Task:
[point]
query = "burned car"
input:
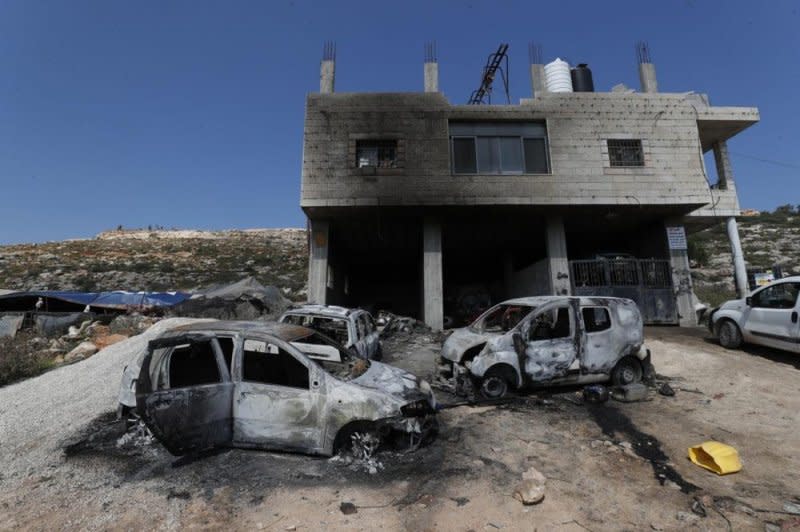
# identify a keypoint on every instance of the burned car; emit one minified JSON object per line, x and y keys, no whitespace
{"x":353,"y":328}
{"x":273,"y":386}
{"x":548,"y":340}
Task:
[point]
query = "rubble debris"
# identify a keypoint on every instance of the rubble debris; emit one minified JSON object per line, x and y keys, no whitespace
{"x":348,"y":508}
{"x":629,"y":393}
{"x":83,"y":350}
{"x":400,"y":324}
{"x":595,"y":394}
{"x":531,"y":489}
{"x":718,"y":457}
{"x":666,"y":390}
{"x":246,"y":299}
{"x":792,"y":508}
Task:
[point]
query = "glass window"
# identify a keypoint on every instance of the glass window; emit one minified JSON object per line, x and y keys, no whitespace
{"x":270,"y":364}
{"x":782,"y":296}
{"x":488,"y":156}
{"x":596,"y":319}
{"x":625,"y":152}
{"x":510,"y":155}
{"x":377,"y":153}
{"x":464,"y":156}
{"x":536,"y":156}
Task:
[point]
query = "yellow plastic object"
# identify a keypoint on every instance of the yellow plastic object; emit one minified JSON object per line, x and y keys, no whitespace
{"x":715,"y":456}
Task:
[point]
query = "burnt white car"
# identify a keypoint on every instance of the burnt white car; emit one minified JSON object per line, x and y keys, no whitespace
{"x":768,"y":316}
{"x":272,"y":386}
{"x":548,"y":340}
{"x":353,"y":328}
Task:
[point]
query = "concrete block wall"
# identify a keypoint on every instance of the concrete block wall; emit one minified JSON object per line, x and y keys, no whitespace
{"x":579,"y":124}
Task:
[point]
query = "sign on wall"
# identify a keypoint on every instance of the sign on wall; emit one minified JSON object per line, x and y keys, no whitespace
{"x":676,"y":237}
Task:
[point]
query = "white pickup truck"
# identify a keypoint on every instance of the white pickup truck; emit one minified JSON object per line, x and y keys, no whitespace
{"x":768,"y":316}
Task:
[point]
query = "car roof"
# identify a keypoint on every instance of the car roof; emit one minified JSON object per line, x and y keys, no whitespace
{"x":537,"y":301}
{"x":328,"y":311}
{"x":283,"y":331}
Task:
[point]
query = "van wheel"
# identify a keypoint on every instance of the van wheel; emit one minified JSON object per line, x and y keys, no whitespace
{"x":495,"y":383}
{"x":627,"y":371}
{"x":730,"y":337}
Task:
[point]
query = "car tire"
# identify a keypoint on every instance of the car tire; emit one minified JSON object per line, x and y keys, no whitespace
{"x":496,"y":383}
{"x":627,"y":371}
{"x":730,"y":337}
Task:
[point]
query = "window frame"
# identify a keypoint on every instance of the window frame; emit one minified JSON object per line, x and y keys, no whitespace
{"x":521,"y":137}
{"x":377,"y":144}
{"x":593,"y":307}
{"x":612,"y":163}
{"x":285,"y":346}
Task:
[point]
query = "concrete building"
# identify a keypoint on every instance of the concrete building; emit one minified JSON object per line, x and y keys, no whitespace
{"x":414,"y":201}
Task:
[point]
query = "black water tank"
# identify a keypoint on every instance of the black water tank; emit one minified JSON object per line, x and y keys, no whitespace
{"x":582,"y":79}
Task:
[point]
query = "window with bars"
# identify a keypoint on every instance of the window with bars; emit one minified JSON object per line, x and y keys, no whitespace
{"x":625,"y":152}
{"x":376,"y":153}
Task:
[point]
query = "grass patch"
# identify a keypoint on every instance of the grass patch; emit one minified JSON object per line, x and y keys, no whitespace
{"x":18,"y":361}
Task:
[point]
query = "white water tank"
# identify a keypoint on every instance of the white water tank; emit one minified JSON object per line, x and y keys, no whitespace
{"x":557,"y":76}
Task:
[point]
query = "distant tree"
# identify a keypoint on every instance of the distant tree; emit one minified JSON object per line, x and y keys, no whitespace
{"x":787,"y":209}
{"x":697,"y":251}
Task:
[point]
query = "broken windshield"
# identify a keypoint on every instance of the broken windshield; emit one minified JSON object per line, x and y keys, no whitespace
{"x":335,"y":328}
{"x":333,"y":358}
{"x":501,"y":318}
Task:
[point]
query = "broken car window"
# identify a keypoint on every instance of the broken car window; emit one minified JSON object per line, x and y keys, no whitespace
{"x":551,"y":324}
{"x":346,"y":367}
{"x":502,"y":318}
{"x":192,"y":365}
{"x":596,"y":319}
{"x":333,"y":327}
{"x":269,"y":364}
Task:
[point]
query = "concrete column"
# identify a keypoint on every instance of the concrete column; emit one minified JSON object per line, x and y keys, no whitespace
{"x":557,"y":256}
{"x":537,"y":80}
{"x":682,"y":285}
{"x":723,"y":164}
{"x":431,"y":77}
{"x":327,"y":76}
{"x":318,"y":262}
{"x":647,"y":77}
{"x":739,"y":269}
{"x":432,"y":282}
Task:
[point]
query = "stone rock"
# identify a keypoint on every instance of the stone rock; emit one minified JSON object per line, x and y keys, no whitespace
{"x":686,"y":517}
{"x":104,"y":341}
{"x":531,"y":489}
{"x":630,"y":393}
{"x":348,"y":508}
{"x":83,"y":350}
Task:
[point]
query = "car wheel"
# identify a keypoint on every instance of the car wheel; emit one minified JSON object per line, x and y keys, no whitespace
{"x":730,"y":337}
{"x":627,"y":371}
{"x":495,"y":384}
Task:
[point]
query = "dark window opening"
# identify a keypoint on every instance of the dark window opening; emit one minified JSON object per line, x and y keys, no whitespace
{"x":779,"y":296}
{"x":269,"y":364}
{"x":545,"y":328}
{"x":625,"y":152}
{"x":334,"y":328}
{"x":503,"y":318}
{"x":535,"y":156}
{"x":376,"y":153}
{"x":464,"y":156}
{"x":192,"y":365}
{"x":596,"y":319}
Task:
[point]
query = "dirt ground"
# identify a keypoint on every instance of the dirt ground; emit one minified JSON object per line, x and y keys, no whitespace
{"x":616,"y":466}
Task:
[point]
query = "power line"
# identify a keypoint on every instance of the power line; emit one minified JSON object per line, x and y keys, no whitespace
{"x":770,"y":161}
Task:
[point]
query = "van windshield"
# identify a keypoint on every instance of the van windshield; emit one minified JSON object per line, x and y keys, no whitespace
{"x":501,"y":318}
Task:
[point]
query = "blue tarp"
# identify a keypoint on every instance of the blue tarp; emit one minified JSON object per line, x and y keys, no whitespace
{"x":116,"y":299}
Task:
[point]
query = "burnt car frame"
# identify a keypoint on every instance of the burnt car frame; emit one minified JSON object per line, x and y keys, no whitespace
{"x":251,"y":385}
{"x":353,"y":328}
{"x":548,"y":340}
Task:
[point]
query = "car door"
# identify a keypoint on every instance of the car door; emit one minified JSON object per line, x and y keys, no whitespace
{"x":550,"y":344}
{"x":772,"y":319}
{"x":599,"y":353}
{"x":278,"y":397}
{"x":184,"y":393}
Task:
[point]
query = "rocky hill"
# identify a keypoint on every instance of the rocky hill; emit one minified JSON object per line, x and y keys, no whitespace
{"x":160,"y":260}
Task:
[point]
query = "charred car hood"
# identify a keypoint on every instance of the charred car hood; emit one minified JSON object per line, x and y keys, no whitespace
{"x":389,"y":379}
{"x":463,"y":339}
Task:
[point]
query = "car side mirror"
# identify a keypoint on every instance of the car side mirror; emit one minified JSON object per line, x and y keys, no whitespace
{"x":748,"y":301}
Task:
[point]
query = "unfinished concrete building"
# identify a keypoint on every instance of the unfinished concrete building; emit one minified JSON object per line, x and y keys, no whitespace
{"x":413,"y":201}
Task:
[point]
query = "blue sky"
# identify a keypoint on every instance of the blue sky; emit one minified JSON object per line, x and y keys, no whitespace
{"x":189,"y":113}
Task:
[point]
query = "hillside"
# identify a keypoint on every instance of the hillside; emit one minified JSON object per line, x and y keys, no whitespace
{"x":160,"y":260}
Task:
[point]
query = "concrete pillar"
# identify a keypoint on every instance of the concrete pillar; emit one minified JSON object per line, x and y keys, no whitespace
{"x":327,"y":76}
{"x":723,"y":164}
{"x":557,"y":256}
{"x":432,"y":282}
{"x":318,"y":262}
{"x":739,"y":269}
{"x":647,"y":77}
{"x":431,"y":76}
{"x":538,"y":84}
{"x":682,"y":277}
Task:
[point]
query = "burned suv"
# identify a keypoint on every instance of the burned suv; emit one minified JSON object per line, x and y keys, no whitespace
{"x":273,"y":386}
{"x":353,"y":328}
{"x":548,"y":340}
